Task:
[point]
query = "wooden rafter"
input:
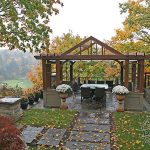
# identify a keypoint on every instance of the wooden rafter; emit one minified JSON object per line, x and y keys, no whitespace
{"x":91,"y":39}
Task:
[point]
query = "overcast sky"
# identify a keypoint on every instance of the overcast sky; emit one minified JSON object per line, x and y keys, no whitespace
{"x":98,"y":18}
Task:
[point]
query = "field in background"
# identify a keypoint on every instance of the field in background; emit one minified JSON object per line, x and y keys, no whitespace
{"x":23,"y":83}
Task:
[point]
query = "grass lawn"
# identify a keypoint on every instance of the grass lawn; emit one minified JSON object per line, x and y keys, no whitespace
{"x":130,"y":133}
{"x":39,"y":148}
{"x":24,"y":83}
{"x":48,"y":117}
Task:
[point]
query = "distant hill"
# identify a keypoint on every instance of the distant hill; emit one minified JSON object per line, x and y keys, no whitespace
{"x":15,"y":64}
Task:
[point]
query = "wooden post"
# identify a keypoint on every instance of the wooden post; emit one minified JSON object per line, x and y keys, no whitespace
{"x":48,"y":76}
{"x":61,"y":71}
{"x":121,"y":73}
{"x":138,"y":75}
{"x":134,"y":73}
{"x":58,"y":74}
{"x":141,"y":76}
{"x":126,"y":73}
{"x":44,"y":73}
{"x":71,"y":71}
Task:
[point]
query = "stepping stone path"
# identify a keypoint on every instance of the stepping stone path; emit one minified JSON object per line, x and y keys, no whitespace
{"x":52,"y":137}
{"x":90,"y":132}
{"x":30,"y":133}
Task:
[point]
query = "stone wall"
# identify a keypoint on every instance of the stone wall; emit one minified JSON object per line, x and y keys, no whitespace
{"x":13,"y":110}
{"x":134,"y":101}
{"x":147,"y":95}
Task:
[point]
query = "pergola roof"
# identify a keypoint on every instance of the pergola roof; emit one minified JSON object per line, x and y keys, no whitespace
{"x":93,"y":49}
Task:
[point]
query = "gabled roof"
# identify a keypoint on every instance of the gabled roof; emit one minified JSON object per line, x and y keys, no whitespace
{"x":89,"y":44}
{"x":93,"y":49}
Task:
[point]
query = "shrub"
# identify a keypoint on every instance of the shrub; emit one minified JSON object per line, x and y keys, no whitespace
{"x":9,"y":136}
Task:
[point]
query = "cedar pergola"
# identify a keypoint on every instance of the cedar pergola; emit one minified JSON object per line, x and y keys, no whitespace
{"x":93,"y":49}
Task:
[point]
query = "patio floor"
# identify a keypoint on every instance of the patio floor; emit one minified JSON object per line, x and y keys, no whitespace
{"x":86,"y":105}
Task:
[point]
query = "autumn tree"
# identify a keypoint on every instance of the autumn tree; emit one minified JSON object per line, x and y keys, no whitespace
{"x":135,"y":34}
{"x":58,"y":45}
{"x":25,"y":24}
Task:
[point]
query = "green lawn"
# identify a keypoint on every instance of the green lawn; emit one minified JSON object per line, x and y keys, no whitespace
{"x":48,"y":117}
{"x":24,"y":83}
{"x":39,"y":148}
{"x":132,"y":130}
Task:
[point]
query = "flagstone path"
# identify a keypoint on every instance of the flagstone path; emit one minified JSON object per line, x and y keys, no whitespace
{"x":90,"y":131}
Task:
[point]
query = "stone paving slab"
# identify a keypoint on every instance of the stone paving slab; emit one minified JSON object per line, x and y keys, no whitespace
{"x":87,"y":146}
{"x":92,"y":127}
{"x":89,"y":136}
{"x":94,"y":120}
{"x":93,"y":115}
{"x":103,"y":115}
{"x":52,"y":137}
{"x":30,"y":133}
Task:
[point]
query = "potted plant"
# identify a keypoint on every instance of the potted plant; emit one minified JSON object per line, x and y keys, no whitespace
{"x":24,"y":102}
{"x":120,"y":92}
{"x":64,"y":91}
{"x":30,"y":96}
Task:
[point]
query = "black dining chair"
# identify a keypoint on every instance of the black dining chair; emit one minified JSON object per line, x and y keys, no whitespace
{"x":110,"y":85}
{"x":91,"y":82}
{"x":100,"y":95}
{"x":85,"y":93}
{"x":100,"y":82}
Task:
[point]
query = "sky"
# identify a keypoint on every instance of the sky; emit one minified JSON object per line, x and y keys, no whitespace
{"x":98,"y":18}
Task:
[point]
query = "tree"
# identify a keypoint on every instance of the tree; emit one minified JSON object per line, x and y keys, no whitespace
{"x":138,"y":18}
{"x":24,"y":25}
{"x":58,"y":45}
{"x":135,"y":34}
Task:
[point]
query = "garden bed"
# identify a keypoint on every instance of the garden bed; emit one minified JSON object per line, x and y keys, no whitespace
{"x":131,"y":130}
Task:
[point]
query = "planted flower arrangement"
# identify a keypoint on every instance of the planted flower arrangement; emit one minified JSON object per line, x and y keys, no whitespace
{"x":64,"y":91}
{"x":120,"y":92}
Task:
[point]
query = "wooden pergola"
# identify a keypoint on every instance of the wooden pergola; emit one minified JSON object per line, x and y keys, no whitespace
{"x":93,"y":49}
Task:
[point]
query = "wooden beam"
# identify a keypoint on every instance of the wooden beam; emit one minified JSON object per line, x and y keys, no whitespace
{"x":93,"y":57}
{"x":76,"y":46}
{"x":86,"y":48}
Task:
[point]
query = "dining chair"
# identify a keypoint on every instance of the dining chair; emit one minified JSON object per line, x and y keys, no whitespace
{"x":110,"y":85}
{"x":85,"y":93}
{"x":100,"y":94}
{"x":91,"y":82}
{"x":100,"y":82}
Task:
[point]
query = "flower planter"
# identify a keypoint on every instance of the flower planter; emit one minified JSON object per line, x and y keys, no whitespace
{"x":64,"y":90}
{"x":120,"y":92}
{"x":36,"y":97}
{"x":120,"y":99}
{"x":24,"y":105}
{"x":63,"y":97}
{"x":31,"y":100}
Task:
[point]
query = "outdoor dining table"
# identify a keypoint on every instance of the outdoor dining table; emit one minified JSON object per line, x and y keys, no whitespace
{"x":93,"y":86}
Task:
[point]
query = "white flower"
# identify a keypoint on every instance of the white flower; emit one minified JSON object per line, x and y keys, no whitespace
{"x":64,"y":88}
{"x":120,"y":90}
